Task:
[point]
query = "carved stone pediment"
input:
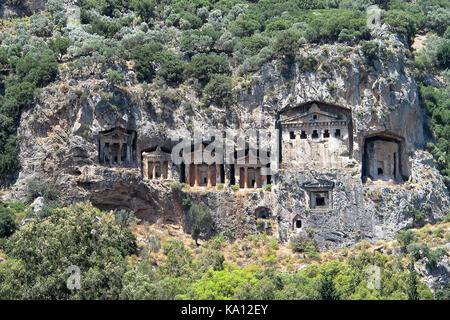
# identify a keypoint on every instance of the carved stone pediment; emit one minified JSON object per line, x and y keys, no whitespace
{"x":319,"y":184}
{"x":156,"y":156}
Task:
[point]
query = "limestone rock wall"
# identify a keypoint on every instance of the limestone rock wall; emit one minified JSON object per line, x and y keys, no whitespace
{"x":59,"y":140}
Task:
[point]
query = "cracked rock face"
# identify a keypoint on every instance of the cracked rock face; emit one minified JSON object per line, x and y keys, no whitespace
{"x":59,"y":141}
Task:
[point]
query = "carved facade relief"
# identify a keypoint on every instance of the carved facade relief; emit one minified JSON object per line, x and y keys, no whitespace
{"x":319,"y":194}
{"x":156,"y":165}
{"x":117,"y":147}
{"x":316,"y":135}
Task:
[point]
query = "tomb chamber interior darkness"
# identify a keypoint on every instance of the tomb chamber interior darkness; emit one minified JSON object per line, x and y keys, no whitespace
{"x":384,"y":158}
{"x":315,"y":135}
{"x":117,"y":147}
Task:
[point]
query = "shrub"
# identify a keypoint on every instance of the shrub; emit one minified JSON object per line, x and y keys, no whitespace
{"x":219,"y":87}
{"x":244,"y":27}
{"x":370,"y":50}
{"x":40,"y":26}
{"x":59,"y":46}
{"x":115,"y":78}
{"x":302,"y":243}
{"x":144,"y":56}
{"x":443,"y":55}
{"x":286,"y":43}
{"x":7,"y":223}
{"x":203,"y":66}
{"x":405,"y":237}
{"x":144,"y":8}
{"x":171,"y":69}
{"x":58,"y":12}
{"x":308,"y":63}
{"x":47,"y":190}
{"x":38,"y":70}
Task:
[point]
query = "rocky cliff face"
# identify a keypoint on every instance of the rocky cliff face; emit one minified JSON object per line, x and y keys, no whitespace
{"x":58,"y":140}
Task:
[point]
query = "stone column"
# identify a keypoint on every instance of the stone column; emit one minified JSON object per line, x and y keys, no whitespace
{"x":128,"y":153}
{"x":145,"y":168}
{"x":262,"y":179}
{"x":245,"y":177}
{"x":256,"y":178}
{"x":187,"y":173}
{"x":169,"y":170}
{"x":154,"y":171}
{"x":101,"y":153}
{"x":237,"y":175}
{"x":218,"y":174}
{"x":196,"y":184}
{"x":209,"y":177}
{"x":119,"y":156}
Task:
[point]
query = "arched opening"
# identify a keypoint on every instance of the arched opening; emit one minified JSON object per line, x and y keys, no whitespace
{"x":262,"y":213}
{"x":296,"y":223}
{"x":383,"y":158}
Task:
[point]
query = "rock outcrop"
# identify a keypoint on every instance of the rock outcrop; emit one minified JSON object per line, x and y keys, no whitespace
{"x":59,"y":140}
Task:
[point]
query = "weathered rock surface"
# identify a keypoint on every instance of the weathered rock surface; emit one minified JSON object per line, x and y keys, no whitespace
{"x":58,"y":140}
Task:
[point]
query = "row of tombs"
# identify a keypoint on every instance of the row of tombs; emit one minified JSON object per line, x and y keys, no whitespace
{"x":312,"y":136}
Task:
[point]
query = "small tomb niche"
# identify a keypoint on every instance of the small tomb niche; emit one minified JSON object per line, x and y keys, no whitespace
{"x":383,"y":159}
{"x":320,"y":194}
{"x":263,"y":224}
{"x":262,"y":213}
{"x":117,"y":147}
{"x":297,"y":223}
{"x":156,"y":163}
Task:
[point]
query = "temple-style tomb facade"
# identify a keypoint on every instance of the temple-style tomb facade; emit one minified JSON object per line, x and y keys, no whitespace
{"x":316,"y":135}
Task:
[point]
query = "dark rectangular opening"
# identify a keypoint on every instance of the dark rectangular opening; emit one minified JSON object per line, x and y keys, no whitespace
{"x":315,"y":135}
{"x":292,"y":135}
{"x":298,"y":224}
{"x":320,"y":201}
{"x":337,"y":133}
{"x":303,"y":135}
{"x":326,"y":134}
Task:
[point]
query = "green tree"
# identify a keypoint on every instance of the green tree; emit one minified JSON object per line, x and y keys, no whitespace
{"x":40,"y":26}
{"x":59,"y":46}
{"x":219,"y":87}
{"x":79,"y":235}
{"x":202,"y":220}
{"x":7,"y":222}
{"x":443,"y":55}
{"x":203,"y":66}
{"x":286,"y":43}
{"x":144,"y":56}
{"x":411,"y":283}
{"x":327,"y":289}
{"x":115,"y":78}
{"x":144,"y":8}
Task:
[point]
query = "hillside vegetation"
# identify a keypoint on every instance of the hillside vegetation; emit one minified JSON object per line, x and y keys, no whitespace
{"x":164,"y":264}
